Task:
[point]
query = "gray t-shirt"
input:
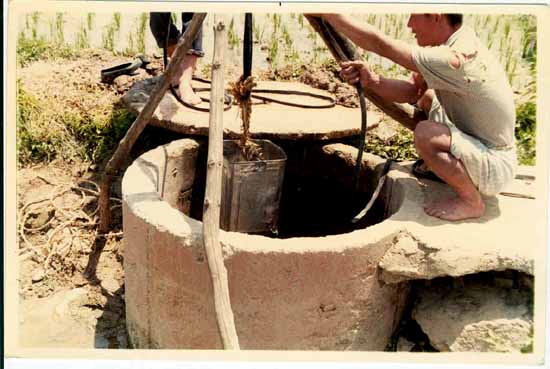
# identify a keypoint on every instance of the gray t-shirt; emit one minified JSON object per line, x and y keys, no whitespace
{"x":476,"y":97}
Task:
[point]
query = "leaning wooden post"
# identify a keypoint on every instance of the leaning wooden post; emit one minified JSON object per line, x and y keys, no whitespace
{"x":212,"y":198}
{"x":123,"y":149}
{"x":404,"y":114}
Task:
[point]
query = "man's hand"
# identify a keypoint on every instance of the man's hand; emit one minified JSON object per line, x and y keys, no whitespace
{"x":357,"y":71}
{"x":420,"y":84}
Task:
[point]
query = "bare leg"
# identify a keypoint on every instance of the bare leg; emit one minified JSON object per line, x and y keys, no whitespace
{"x":433,"y":142}
{"x":184,"y":76}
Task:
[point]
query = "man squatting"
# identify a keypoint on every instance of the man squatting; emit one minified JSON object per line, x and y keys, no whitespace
{"x":468,"y":139}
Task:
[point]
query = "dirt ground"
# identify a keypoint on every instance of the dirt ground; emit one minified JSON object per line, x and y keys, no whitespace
{"x":67,"y":274}
{"x":71,"y":281}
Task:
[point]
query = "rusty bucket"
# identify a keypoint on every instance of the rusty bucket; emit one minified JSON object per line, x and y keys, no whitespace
{"x":251,"y":190}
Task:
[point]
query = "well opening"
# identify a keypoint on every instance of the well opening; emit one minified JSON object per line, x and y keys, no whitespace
{"x":317,"y":197}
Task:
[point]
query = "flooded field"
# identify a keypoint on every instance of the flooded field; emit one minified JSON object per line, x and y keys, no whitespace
{"x":279,"y":39}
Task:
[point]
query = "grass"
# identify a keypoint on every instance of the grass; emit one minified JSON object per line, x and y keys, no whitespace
{"x":398,"y":147}
{"x":30,"y":50}
{"x":81,"y":122}
{"x":47,"y":131}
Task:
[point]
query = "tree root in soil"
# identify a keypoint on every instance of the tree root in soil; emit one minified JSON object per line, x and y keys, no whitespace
{"x":64,"y":225}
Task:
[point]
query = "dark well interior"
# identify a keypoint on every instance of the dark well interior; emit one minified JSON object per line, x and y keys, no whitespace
{"x":317,"y":196}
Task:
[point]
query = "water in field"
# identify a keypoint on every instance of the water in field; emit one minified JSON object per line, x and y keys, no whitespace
{"x":279,"y":39}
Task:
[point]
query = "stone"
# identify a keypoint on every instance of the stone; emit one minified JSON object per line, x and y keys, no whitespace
{"x":384,"y":131}
{"x":49,"y":323}
{"x":110,"y":284}
{"x":428,"y":247}
{"x":39,"y":219}
{"x":269,"y":121}
{"x":38,"y":275}
{"x":404,"y":345}
{"x":477,"y":317}
{"x":73,"y":296}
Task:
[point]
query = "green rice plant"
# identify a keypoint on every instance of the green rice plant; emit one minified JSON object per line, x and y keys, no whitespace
{"x":108,"y":38}
{"x":82,"y":39}
{"x":287,"y":38}
{"x":507,"y":27}
{"x":301,"y":20}
{"x":141,"y":32}
{"x":486,"y":21}
{"x":90,"y":20}
{"x":292,"y":56}
{"x":371,"y":19}
{"x":116,"y":21}
{"x":109,"y":33}
{"x":130,"y":48}
{"x":276,"y":22}
{"x":528,"y":24}
{"x":59,"y":23}
{"x":34,"y":30}
{"x":256,"y":32}
{"x":273,"y":53}
{"x":232,"y":38}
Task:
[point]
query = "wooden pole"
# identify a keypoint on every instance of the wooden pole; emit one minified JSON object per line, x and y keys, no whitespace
{"x":404,"y":114}
{"x":212,"y":198}
{"x":123,"y":150}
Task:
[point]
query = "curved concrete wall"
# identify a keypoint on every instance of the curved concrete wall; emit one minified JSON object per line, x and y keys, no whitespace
{"x":296,"y":294}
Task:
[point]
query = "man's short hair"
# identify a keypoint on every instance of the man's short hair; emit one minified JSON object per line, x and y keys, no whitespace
{"x":454,"y":19}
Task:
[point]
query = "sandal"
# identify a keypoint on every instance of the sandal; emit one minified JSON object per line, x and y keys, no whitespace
{"x":421,"y":170}
{"x":108,"y":75}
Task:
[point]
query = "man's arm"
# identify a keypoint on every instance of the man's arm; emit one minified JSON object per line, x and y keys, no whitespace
{"x":371,"y":39}
{"x":395,"y":90}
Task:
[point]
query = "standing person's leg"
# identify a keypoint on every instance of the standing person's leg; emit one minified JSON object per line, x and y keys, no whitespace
{"x":167,"y":34}
{"x":189,"y":64}
{"x":433,"y":142}
{"x":160,"y":26}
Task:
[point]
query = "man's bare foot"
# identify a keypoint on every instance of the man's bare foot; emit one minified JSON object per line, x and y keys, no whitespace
{"x":455,"y":208}
{"x":188,"y":95}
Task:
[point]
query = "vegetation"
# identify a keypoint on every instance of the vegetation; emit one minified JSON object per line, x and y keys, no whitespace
{"x":46,"y":132}
{"x":33,"y":49}
{"x":398,"y":147}
{"x":526,"y":111}
{"x":287,"y":41}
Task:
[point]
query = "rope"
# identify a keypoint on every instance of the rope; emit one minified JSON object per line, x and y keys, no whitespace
{"x":247,"y":68}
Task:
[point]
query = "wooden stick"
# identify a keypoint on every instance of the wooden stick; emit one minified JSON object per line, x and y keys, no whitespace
{"x":212,"y":198}
{"x":123,"y":150}
{"x":404,"y":114}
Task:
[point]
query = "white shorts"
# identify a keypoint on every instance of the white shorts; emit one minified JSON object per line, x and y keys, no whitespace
{"x":490,"y":169}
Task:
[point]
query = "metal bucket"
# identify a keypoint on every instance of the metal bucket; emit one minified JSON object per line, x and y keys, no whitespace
{"x":251,"y":190}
